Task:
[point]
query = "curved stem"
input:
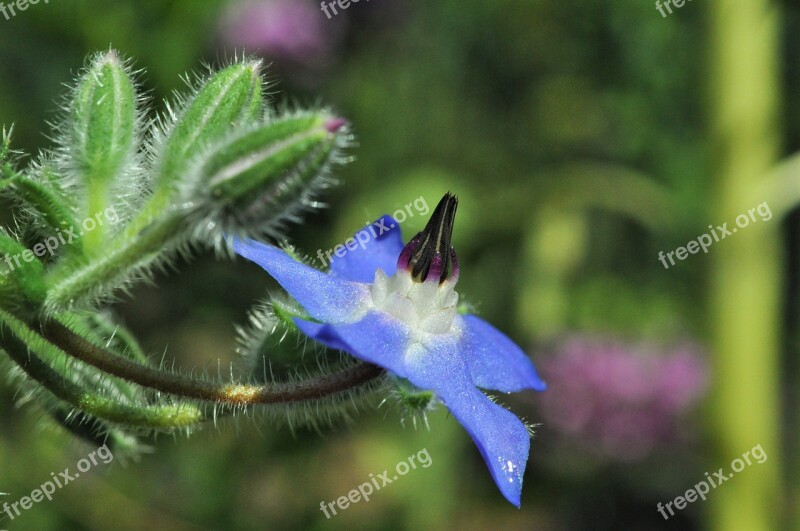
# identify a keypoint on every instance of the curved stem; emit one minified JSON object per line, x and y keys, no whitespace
{"x":617,"y":189}
{"x":230,"y":394}
{"x":156,"y":417}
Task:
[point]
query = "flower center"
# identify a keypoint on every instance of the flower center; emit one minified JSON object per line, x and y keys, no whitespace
{"x":426,"y":307}
{"x":429,"y":255}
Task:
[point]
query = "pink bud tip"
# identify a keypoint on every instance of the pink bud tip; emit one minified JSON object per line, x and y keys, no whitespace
{"x":334,"y":124}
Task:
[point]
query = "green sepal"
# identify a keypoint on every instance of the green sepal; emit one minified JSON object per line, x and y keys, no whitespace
{"x":115,"y":337}
{"x":47,"y":204}
{"x":23,"y":345}
{"x":87,"y":326}
{"x":94,"y":431}
{"x":5,"y":147}
{"x":103,"y":122}
{"x":230,"y":99}
{"x":256,"y":161}
{"x":273,"y":345}
{"x":23,"y":281}
{"x":412,"y":398}
{"x":286,"y":312}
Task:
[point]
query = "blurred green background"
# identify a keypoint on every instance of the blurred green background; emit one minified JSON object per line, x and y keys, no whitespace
{"x":582,"y":137}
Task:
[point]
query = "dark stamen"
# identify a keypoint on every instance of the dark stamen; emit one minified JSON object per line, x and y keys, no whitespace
{"x":430,"y":252}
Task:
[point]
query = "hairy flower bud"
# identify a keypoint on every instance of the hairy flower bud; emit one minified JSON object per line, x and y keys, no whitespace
{"x":257,"y":178}
{"x":102,"y":139}
{"x":227,"y":100}
{"x":103,"y":114}
{"x":230,"y":98}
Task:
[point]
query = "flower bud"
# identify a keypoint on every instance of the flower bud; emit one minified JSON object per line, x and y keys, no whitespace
{"x":256,"y":177}
{"x":230,"y":98}
{"x":103,"y":116}
{"x":102,"y":140}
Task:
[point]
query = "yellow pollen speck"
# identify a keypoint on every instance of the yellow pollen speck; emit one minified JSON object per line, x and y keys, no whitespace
{"x":242,"y":394}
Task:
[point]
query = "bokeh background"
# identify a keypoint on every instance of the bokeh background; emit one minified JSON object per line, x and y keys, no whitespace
{"x":582,"y":137}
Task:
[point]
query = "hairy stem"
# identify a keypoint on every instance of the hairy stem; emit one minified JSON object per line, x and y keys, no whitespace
{"x":229,"y":394}
{"x":68,"y":285}
{"x":154,"y":417}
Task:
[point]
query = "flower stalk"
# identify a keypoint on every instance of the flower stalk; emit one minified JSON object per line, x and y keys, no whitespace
{"x":232,"y":394}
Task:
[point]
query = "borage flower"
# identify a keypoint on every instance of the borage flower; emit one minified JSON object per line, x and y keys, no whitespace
{"x":396,"y":307}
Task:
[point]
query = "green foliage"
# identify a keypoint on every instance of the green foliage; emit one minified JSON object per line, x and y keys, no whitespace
{"x":498,"y":100}
{"x":123,"y":194}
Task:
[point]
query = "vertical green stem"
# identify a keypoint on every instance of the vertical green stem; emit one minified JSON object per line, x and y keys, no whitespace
{"x":745,"y":276}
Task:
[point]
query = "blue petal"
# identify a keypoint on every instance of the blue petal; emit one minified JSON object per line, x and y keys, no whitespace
{"x":500,"y":436}
{"x":324,"y":297}
{"x":438,"y":365}
{"x":377,"y":338}
{"x":496,"y":362}
{"x":377,"y":246}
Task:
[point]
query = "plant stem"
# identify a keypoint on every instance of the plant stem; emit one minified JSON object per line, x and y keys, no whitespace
{"x":229,"y":394}
{"x":154,"y":417}
{"x":69,"y":285}
{"x":745,"y":285}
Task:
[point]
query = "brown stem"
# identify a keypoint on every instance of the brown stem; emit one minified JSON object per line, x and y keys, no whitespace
{"x":232,"y":394}
{"x":156,"y":417}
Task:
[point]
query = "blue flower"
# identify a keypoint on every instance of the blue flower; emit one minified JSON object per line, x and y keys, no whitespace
{"x":396,"y":307}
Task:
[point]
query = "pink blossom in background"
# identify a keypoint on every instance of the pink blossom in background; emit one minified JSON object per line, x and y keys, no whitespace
{"x":622,"y":400}
{"x":284,"y":31}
